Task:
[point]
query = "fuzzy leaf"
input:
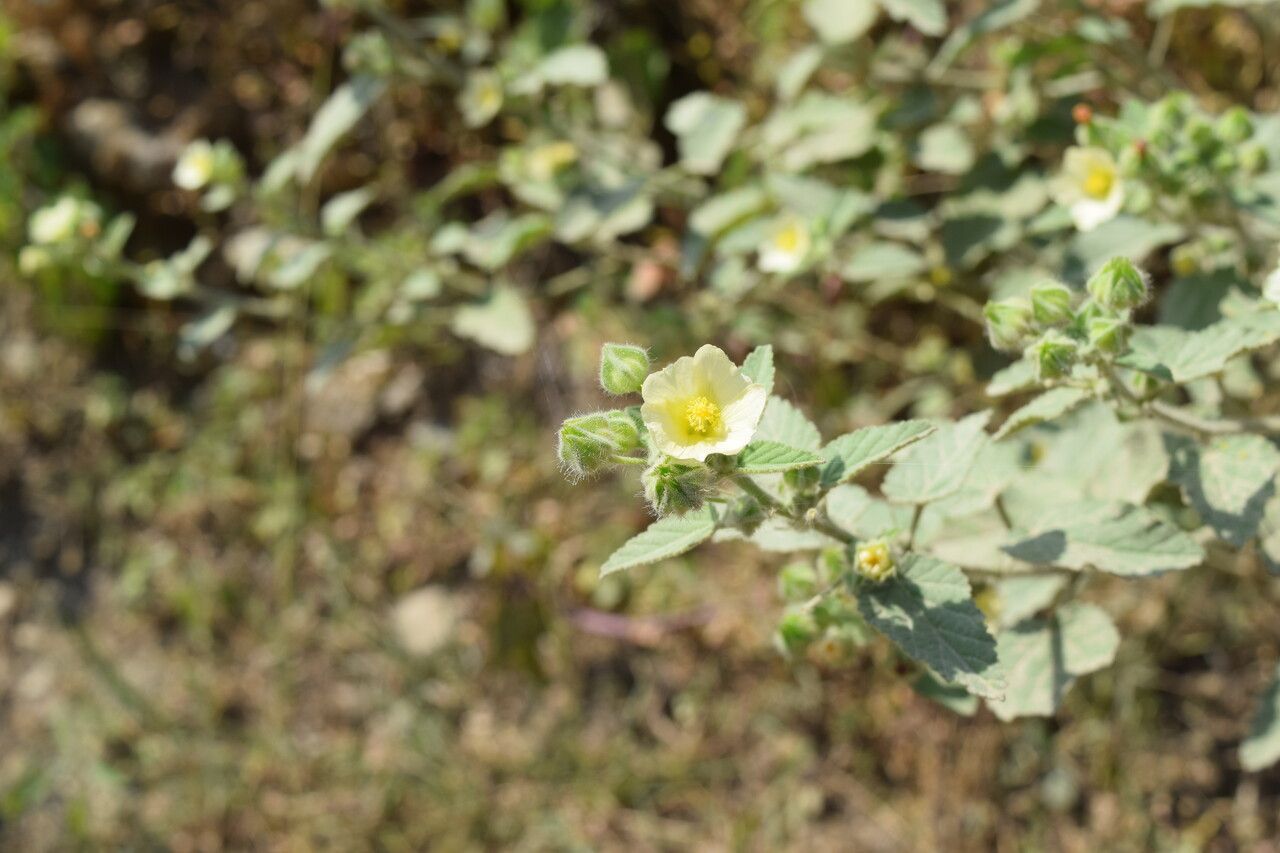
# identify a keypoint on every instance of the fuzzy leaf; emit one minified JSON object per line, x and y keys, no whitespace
{"x":1042,"y":658}
{"x":853,"y":452}
{"x":1180,"y":356}
{"x":1134,"y":543}
{"x":339,"y":114}
{"x":503,"y":323}
{"x":927,"y":609}
{"x":758,"y":366}
{"x":1228,"y":481}
{"x":771,"y":457}
{"x":706,"y":127}
{"x":785,"y":424}
{"x":937,"y":466}
{"x":667,"y":537}
{"x":1046,"y":407}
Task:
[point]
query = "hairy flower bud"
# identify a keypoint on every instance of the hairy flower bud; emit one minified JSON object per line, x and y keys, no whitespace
{"x":1235,"y":126}
{"x":797,"y":581}
{"x":874,"y":561}
{"x":796,"y":631}
{"x":676,"y":486}
{"x":588,"y":443}
{"x":1118,"y":286}
{"x":1051,"y":303}
{"x":1053,"y":356}
{"x":1108,"y":334}
{"x":1008,"y":323}
{"x":623,"y":368}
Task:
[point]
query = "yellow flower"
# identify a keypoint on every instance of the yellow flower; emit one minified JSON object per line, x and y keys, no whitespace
{"x":1089,"y":186}
{"x":786,"y":247}
{"x":195,"y":167}
{"x":874,"y":561}
{"x":701,"y":404}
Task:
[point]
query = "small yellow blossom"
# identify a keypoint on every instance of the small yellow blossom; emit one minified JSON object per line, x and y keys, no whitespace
{"x":1089,"y":186}
{"x":701,"y":404}
{"x":874,"y":561}
{"x":194,"y":169}
{"x":787,"y":247}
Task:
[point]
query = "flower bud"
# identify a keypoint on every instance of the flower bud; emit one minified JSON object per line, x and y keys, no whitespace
{"x":796,"y":631}
{"x":1108,"y":334}
{"x":1235,"y":126}
{"x":1008,"y":323}
{"x":623,"y":368}
{"x":802,"y":479}
{"x":588,"y":442}
{"x":797,"y":581}
{"x":874,"y":561}
{"x":1119,"y":285}
{"x":1253,"y":158}
{"x":745,"y":514}
{"x":673,"y":486}
{"x":1082,"y":113}
{"x":1185,"y":260}
{"x":1051,"y":303}
{"x":1053,"y":356}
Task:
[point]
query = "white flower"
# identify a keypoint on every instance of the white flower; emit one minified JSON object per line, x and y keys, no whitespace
{"x":701,"y":404}
{"x":481,"y":98}
{"x":786,"y":247}
{"x":1089,"y":186}
{"x":195,"y":167}
{"x":55,"y":223}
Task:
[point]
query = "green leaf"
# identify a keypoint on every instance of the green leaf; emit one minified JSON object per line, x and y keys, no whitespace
{"x":883,"y":260}
{"x":1262,"y":747}
{"x":758,"y":366}
{"x":855,"y":510}
{"x":839,"y":21}
{"x":953,"y":698}
{"x":818,"y":128}
{"x":1181,"y":356}
{"x":785,"y":424}
{"x":1020,"y":597}
{"x":995,"y":17}
{"x":706,"y":127}
{"x":1228,"y":481}
{"x":938,"y":465}
{"x":1134,"y":543}
{"x":340,"y":211}
{"x":927,"y":610}
{"x":945,"y":148}
{"x":575,"y":65}
{"x":667,"y":537}
{"x":499,"y":237}
{"x":1125,"y":236}
{"x":770,"y":457}
{"x":1269,"y":534}
{"x":1018,"y":376}
{"x":851,"y":453}
{"x":1042,"y":658}
{"x":503,"y":323}
{"x":339,"y":114}
{"x":927,"y":16}
{"x":1046,"y":407}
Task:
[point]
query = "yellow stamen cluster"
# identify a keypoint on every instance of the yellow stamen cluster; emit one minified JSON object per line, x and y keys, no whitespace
{"x":874,"y":561}
{"x":1098,"y":182}
{"x":702,"y":416}
{"x":788,"y":239}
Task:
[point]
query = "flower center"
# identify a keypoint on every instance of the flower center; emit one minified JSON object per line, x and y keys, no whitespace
{"x":702,"y":416}
{"x":1097,"y":183}
{"x":788,"y":240}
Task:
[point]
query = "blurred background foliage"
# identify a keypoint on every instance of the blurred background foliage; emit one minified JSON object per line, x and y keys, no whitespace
{"x":285,"y":560}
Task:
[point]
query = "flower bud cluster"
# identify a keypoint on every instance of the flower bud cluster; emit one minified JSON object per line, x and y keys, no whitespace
{"x":1056,"y":327}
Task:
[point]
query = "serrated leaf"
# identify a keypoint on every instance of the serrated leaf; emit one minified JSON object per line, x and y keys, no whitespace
{"x":785,"y":424}
{"x":1052,"y":404}
{"x":1135,"y":543}
{"x":883,"y":260}
{"x":927,"y":610}
{"x":1181,"y":356}
{"x":771,"y":457}
{"x":1228,"y":481}
{"x":851,"y":453}
{"x":950,"y":696}
{"x":339,"y":114}
{"x":1018,"y":376}
{"x":1262,"y":747}
{"x":665,"y":538}
{"x":945,"y":148}
{"x":1020,"y":597}
{"x":758,"y":366}
{"x":937,"y":466}
{"x":855,"y":510}
{"x":1042,"y":658}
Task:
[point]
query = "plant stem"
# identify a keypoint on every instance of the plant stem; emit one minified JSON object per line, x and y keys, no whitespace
{"x":915,"y":523}
{"x":1187,"y":420}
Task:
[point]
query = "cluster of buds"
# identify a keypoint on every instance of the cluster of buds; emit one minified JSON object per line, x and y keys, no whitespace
{"x":1056,"y":328}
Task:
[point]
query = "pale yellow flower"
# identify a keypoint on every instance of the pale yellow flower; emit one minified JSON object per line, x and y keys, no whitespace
{"x":481,"y":98}
{"x":194,"y":169}
{"x":786,"y":247}
{"x":1089,"y":186}
{"x":701,"y":404}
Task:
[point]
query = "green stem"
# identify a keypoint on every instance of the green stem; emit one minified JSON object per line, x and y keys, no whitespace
{"x":1186,"y":420}
{"x":915,"y":523}
{"x":748,"y":485}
